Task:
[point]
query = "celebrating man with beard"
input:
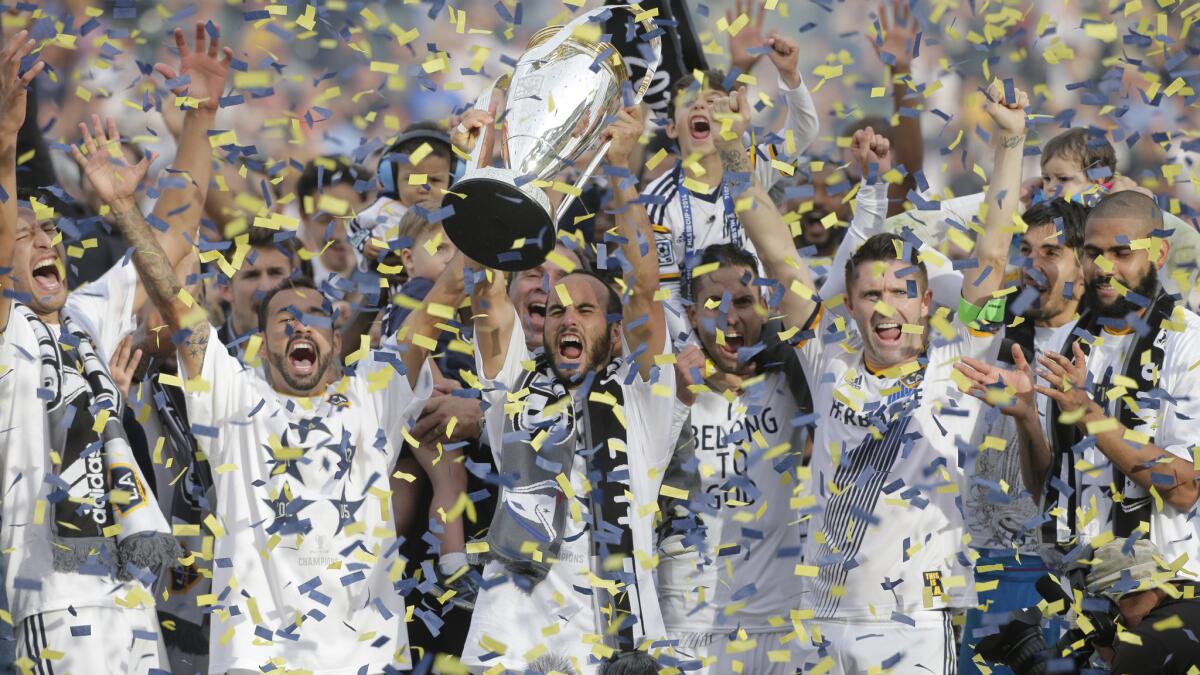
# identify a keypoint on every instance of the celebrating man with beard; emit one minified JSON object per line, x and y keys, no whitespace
{"x":306,"y":558}
{"x":581,"y":439}
{"x":1125,"y":393}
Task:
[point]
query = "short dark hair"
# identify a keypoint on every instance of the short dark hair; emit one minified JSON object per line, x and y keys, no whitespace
{"x":292,"y":284}
{"x":724,"y":255}
{"x":1068,"y":217}
{"x":713,"y":79}
{"x":1128,"y":204}
{"x":614,"y":298}
{"x":262,"y":238}
{"x":883,"y":247}
{"x":327,"y":171}
{"x":1087,"y":145}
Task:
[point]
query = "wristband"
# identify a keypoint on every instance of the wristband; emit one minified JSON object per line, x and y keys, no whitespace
{"x":991,"y":312}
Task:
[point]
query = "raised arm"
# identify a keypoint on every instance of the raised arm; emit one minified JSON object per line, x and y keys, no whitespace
{"x":419,"y":330}
{"x":494,"y":315}
{"x":643,"y":320}
{"x":872,"y":151}
{"x":14,"y":88}
{"x":895,"y":47}
{"x":197,"y":85}
{"x":115,"y":182}
{"x":771,"y":236}
{"x":982,"y":280}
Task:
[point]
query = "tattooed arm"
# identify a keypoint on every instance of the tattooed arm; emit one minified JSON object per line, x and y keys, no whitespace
{"x":181,"y":313}
{"x":771,"y":236}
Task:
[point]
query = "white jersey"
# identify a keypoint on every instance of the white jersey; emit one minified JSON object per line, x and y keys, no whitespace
{"x":707,"y":207}
{"x":749,"y":452}
{"x":887,"y":528}
{"x":104,"y":310}
{"x":305,"y":567}
{"x":560,"y":615}
{"x":1174,"y":427}
{"x":1001,"y":513}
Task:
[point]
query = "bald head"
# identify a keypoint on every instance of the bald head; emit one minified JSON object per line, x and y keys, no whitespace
{"x":1135,"y":208}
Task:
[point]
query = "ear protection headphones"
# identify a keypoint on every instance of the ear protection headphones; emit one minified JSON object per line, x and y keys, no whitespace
{"x":388,"y":163}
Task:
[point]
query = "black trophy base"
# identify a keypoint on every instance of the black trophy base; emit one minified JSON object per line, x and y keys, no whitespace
{"x":490,"y":217}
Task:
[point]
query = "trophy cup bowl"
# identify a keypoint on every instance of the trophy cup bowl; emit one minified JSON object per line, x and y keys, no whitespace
{"x":557,"y":101}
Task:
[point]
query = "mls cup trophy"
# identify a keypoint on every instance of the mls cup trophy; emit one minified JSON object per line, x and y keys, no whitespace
{"x":557,"y":101}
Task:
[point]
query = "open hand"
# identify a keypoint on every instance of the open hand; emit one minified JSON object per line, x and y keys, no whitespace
{"x":1068,"y":381}
{"x":14,"y":85}
{"x":871,"y":149}
{"x":898,"y":34}
{"x":124,"y":365}
{"x":203,"y":73}
{"x":1011,"y":390}
{"x":113,"y":179}
{"x":749,"y":37}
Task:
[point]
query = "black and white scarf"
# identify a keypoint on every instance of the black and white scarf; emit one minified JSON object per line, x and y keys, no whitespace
{"x":1066,"y":439}
{"x":540,"y":444}
{"x":94,"y":459}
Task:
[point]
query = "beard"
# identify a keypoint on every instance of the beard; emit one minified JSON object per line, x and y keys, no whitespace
{"x":297,"y":382}
{"x":1147,"y":287}
{"x":597,"y":354}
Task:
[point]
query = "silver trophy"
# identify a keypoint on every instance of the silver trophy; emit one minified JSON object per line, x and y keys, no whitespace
{"x":556,"y":103}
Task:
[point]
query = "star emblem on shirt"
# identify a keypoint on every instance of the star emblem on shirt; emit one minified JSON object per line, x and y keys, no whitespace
{"x":285,"y":510}
{"x":347,"y":509}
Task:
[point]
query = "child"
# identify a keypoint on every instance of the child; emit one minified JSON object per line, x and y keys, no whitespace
{"x":688,"y":205}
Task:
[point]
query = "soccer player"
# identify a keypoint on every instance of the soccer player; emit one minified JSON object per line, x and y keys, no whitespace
{"x":744,"y":420}
{"x":306,"y":554}
{"x":883,"y":554}
{"x":1123,"y":386}
{"x":690,"y":206}
{"x":597,"y":424}
{"x":82,"y":559}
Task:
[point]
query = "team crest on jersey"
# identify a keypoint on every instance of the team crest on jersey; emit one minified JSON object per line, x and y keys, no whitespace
{"x":339,"y":400}
{"x":913,"y":380}
{"x":666,"y":250}
{"x":123,"y":477}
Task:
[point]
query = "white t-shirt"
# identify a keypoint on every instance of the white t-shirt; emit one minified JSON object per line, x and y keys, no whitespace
{"x":560,"y":611}
{"x":887,"y":522}
{"x":1175,"y":533}
{"x":749,"y":451}
{"x":1001,"y":513}
{"x":104,"y":310}
{"x":333,"y":462}
{"x":708,"y":210}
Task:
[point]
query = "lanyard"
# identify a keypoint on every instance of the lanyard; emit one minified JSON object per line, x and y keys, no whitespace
{"x":733,"y":226}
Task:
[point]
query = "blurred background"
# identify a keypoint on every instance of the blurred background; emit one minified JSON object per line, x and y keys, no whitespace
{"x":338,"y":76}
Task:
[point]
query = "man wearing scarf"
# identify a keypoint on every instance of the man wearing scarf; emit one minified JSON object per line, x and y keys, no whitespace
{"x":1125,"y":396}
{"x":88,"y":542}
{"x":581,"y":440}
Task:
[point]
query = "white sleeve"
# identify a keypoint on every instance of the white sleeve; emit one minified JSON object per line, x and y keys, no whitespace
{"x":104,"y":308}
{"x":868,"y":220}
{"x":1180,"y":426}
{"x":397,"y":404}
{"x":654,"y":399}
{"x":495,"y":390}
{"x":801,"y":120}
{"x":226,"y":392}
